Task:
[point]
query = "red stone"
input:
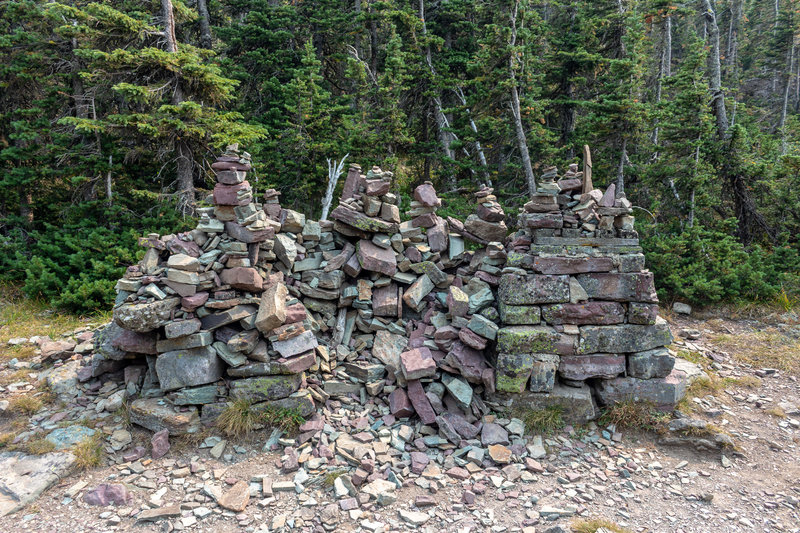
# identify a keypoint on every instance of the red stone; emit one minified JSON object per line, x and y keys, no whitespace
{"x":428,"y":220}
{"x":295,"y":313}
{"x":376,"y":259}
{"x":417,"y":363}
{"x":426,"y":195}
{"x":244,"y":278}
{"x":572,"y":265}
{"x":438,"y":237}
{"x":581,"y":367}
{"x":399,"y":404}
{"x":596,"y":313}
{"x":378,"y":187}
{"x":472,"y":339}
{"x":131,"y":341}
{"x":416,"y":394}
{"x":226,"y":194}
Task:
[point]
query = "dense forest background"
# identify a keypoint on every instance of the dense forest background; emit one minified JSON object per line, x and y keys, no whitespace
{"x":111,"y":112}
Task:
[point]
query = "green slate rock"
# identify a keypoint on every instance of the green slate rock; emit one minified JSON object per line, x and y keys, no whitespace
{"x":259,"y":389}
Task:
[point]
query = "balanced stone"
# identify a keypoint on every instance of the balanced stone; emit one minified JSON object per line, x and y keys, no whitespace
{"x":272,"y":308}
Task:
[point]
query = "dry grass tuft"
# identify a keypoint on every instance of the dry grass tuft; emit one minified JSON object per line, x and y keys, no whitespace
{"x":631,"y":414}
{"x":594,"y":524}
{"x":763,"y":349}
{"x":26,"y":404}
{"x":89,"y":453}
{"x":545,"y":420}
{"x":238,"y":419}
{"x":776,"y":411}
{"x":38,"y":446}
{"x":746,"y":382}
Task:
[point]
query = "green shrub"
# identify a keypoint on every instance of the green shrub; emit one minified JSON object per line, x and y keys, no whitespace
{"x":705,"y":266}
{"x":74,"y":265}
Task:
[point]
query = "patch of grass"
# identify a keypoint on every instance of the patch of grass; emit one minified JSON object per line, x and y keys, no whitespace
{"x":7,"y":438}
{"x":693,"y":357}
{"x":26,"y":404}
{"x":786,"y":301}
{"x":746,"y":382}
{"x":39,"y":446}
{"x":593,"y":524}
{"x":763,"y":349}
{"x":24,"y":317}
{"x":631,"y":414}
{"x":545,"y":420}
{"x":124,"y":413}
{"x":331,"y":477}
{"x":704,"y":386}
{"x":287,"y":420}
{"x":776,"y":411}
{"x":89,"y":453}
{"x":238,"y":419}
{"x":20,"y":375}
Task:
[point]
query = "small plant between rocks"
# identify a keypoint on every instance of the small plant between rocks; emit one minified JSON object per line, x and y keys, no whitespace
{"x":547,"y":420}
{"x":597,"y":525}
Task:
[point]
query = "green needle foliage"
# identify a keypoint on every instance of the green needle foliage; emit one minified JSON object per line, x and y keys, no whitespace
{"x":108,"y":123}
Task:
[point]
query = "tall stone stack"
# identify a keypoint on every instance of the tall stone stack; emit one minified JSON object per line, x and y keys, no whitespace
{"x":579,"y":309}
{"x":211,"y":311}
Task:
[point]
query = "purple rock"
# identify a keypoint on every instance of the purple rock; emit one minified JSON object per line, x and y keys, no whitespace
{"x":160,"y":443}
{"x":106,"y":493}
{"x":493,"y":434}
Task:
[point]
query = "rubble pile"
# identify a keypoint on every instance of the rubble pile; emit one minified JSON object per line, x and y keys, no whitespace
{"x":262,"y":305}
{"x":579,"y":309}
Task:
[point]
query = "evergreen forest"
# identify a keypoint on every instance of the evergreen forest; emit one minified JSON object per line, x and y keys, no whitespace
{"x":112,"y":112}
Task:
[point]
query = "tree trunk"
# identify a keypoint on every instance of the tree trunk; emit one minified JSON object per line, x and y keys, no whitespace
{"x":169,"y":26}
{"x":623,"y":157}
{"x":786,"y":90}
{"x":334,"y":171}
{"x":478,"y":148}
{"x":184,"y":160}
{"x":205,"y":26}
{"x":109,"y":192}
{"x":714,"y":71}
{"x":445,"y":137}
{"x":522,"y":142}
{"x":373,"y":43}
{"x":25,"y":203}
{"x":663,"y":72}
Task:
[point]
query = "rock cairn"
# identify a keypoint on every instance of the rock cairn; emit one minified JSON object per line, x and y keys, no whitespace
{"x":579,"y":310}
{"x":262,"y":305}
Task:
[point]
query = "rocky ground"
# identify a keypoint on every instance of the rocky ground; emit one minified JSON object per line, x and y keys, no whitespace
{"x":728,"y":463}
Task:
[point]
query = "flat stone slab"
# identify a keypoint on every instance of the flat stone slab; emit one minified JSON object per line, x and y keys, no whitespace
{"x":156,"y":414}
{"x":577,"y":403}
{"x":64,"y":438}
{"x":23,"y":478}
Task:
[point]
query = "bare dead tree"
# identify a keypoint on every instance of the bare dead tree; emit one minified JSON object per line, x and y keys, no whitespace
{"x":516,"y":112}
{"x":334,"y":171}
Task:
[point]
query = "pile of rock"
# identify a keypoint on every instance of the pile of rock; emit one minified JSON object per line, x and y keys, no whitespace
{"x":260,"y":304}
{"x":580,"y":310}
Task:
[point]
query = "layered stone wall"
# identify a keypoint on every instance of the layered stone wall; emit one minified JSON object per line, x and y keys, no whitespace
{"x":579,"y":308}
{"x":260,"y":304}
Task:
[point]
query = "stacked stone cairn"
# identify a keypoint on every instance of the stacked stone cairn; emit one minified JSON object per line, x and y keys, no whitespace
{"x":580,"y":311}
{"x":259,"y":304}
